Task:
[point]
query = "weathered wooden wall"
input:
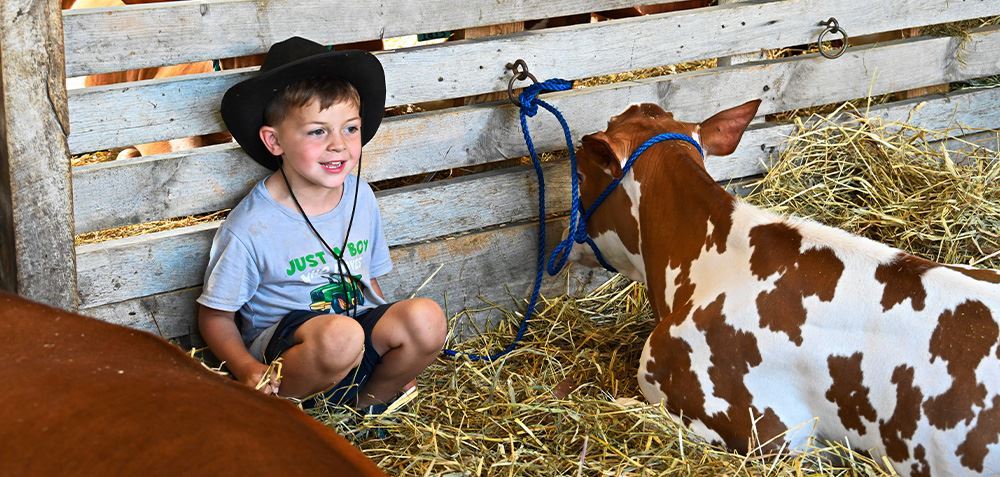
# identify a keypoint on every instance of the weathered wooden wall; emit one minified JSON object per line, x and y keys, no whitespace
{"x":36,"y":217}
{"x":476,"y":232}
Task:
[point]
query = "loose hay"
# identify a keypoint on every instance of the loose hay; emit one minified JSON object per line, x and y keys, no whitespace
{"x":147,"y":227}
{"x":566,"y":402}
{"x":891,"y":182}
{"x":644,"y":73}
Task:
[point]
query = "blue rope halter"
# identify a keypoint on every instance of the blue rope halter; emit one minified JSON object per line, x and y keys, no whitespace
{"x":529,"y":103}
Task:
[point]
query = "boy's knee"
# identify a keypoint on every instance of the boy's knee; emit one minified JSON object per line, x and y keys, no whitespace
{"x":428,"y":326}
{"x":341,"y":344}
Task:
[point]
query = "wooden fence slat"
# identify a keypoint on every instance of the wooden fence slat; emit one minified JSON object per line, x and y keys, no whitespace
{"x":133,"y":191}
{"x":122,"y":115}
{"x":129,"y":268}
{"x":115,"y":39}
{"x":481,"y":265}
{"x":216,"y":177}
{"x":742,"y":57}
{"x":36,"y":211}
{"x":176,"y":107}
{"x":102,"y":40}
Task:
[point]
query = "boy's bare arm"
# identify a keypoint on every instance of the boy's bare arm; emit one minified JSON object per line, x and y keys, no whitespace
{"x":219,"y":330}
{"x":377,"y":289}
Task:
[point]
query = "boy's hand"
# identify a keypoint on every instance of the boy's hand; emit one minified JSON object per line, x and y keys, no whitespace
{"x":220,"y":332}
{"x":259,"y":376}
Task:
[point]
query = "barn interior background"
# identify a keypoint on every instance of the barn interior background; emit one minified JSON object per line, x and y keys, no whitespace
{"x":457,"y":197}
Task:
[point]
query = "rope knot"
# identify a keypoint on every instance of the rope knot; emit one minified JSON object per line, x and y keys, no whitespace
{"x":528,"y":101}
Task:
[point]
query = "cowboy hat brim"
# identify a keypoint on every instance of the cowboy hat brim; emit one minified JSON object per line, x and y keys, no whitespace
{"x":243,"y":105}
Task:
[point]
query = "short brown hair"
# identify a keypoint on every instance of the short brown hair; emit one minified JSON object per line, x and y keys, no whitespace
{"x":327,"y":91}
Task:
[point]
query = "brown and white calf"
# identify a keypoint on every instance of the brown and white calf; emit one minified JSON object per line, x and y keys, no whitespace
{"x":788,"y":327}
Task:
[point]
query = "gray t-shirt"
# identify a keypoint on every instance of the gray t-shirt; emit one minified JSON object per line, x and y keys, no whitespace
{"x":266,"y":261}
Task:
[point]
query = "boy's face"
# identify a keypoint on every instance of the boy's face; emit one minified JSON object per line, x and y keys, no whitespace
{"x":319,"y":147}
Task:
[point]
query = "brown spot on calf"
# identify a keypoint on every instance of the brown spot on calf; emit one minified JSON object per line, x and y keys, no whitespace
{"x":733,"y":353}
{"x":976,"y":446}
{"x":963,"y":338}
{"x":902,"y":279}
{"x":775,"y":249}
{"x":983,"y":275}
{"x":903,"y":423}
{"x":849,"y":393}
{"x":815,"y":272}
{"x":671,"y":367}
{"x":920,"y":468}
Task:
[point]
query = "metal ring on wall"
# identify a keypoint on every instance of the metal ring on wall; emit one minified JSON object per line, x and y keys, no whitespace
{"x":832,"y":28}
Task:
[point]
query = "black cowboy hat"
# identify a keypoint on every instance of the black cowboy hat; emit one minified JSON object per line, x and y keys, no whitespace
{"x":291,"y":60}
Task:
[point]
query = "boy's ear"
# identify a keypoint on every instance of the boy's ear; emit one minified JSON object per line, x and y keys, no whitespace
{"x":270,"y":139}
{"x":598,"y":147}
{"x":720,"y":134}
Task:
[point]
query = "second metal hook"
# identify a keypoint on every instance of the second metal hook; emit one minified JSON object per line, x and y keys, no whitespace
{"x":832,"y":28}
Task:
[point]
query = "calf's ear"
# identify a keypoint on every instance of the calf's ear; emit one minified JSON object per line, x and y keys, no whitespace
{"x":597,"y":147}
{"x":721,"y":133}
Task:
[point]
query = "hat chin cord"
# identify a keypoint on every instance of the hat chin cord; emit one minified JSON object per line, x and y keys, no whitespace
{"x":342,"y":266}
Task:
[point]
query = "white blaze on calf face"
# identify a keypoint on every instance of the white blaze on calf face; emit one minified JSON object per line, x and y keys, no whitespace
{"x":611,"y":245}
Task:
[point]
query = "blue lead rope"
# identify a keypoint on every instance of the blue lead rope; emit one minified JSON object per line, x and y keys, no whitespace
{"x":529,"y":103}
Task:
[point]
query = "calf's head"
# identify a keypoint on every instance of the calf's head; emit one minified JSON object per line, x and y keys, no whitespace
{"x":616,"y":224}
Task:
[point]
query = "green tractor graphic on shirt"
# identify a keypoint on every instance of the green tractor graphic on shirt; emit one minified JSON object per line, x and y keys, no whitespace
{"x":337,"y":295}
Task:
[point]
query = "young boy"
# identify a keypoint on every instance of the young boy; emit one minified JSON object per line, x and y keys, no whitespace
{"x":292,"y":271}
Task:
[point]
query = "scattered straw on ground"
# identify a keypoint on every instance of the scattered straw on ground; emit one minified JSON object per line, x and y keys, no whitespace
{"x":892,"y":183}
{"x":566,"y":402}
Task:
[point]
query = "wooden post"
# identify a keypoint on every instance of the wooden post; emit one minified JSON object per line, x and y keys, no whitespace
{"x":37,"y":257}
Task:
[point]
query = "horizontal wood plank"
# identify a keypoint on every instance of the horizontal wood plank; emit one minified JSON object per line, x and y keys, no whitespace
{"x":156,"y":187}
{"x":496,"y":265}
{"x":135,"y":113}
{"x":113,"y":39}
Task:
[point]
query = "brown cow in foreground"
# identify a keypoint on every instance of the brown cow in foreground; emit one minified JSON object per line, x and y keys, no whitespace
{"x":775,"y":330}
{"x":84,"y":397}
